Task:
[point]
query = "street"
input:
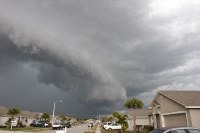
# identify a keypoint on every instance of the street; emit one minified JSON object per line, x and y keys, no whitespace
{"x":75,"y":129}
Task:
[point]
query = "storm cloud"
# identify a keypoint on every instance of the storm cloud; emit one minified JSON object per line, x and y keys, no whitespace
{"x":96,"y":54}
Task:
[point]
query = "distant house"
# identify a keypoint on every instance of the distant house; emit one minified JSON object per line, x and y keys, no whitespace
{"x":175,"y":108}
{"x":26,"y":117}
{"x":142,"y":118}
{"x":3,"y":111}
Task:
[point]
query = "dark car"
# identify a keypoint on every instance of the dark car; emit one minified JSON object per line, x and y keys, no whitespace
{"x":39,"y":124}
{"x":67,"y":125}
{"x":176,"y":130}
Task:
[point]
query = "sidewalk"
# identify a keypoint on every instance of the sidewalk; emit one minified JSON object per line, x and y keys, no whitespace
{"x":98,"y":129}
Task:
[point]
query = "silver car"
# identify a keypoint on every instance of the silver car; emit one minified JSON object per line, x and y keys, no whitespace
{"x":176,"y":130}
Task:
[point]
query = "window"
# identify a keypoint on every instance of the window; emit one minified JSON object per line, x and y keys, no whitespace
{"x":178,"y":131}
{"x":155,"y":131}
{"x":193,"y":130}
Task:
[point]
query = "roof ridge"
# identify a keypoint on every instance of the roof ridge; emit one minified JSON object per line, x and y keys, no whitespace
{"x":173,"y":99}
{"x":178,"y":90}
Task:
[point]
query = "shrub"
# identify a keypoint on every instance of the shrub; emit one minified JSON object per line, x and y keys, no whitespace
{"x":146,"y":129}
{"x":20,"y":124}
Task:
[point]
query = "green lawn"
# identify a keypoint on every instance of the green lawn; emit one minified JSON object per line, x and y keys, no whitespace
{"x":27,"y":129}
{"x":113,"y":131}
{"x":89,"y":132}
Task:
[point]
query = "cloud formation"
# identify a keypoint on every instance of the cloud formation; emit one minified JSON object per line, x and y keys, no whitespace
{"x":98,"y":53}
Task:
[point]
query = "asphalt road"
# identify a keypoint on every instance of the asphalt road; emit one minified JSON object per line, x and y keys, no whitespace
{"x":74,"y":129}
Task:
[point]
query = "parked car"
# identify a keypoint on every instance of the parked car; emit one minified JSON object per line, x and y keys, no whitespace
{"x":107,"y":123}
{"x":176,"y":130}
{"x":104,"y":123}
{"x":113,"y":127}
{"x":39,"y":124}
{"x":90,"y":124}
{"x":57,"y":126}
{"x":67,"y":125}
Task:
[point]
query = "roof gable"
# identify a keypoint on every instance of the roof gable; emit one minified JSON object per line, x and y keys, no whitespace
{"x":139,"y":112}
{"x":185,"y":98}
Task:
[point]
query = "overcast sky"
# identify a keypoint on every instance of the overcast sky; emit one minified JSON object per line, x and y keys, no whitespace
{"x":95,"y":54}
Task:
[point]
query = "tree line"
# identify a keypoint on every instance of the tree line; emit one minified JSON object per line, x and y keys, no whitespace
{"x":44,"y":117}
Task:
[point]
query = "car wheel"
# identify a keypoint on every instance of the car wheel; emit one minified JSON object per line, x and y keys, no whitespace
{"x":109,"y":129}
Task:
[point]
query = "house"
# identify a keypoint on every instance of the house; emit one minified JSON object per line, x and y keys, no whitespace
{"x":3,"y":111}
{"x":26,"y":117}
{"x":172,"y":108}
{"x":142,"y":118}
{"x":23,"y":119}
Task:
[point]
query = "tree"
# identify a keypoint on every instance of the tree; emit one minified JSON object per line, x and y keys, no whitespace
{"x":63,"y":118}
{"x":107,"y":118}
{"x":134,"y":104}
{"x":36,"y":117}
{"x":121,"y":120}
{"x":45,"y":116}
{"x":13,"y":112}
{"x":8,"y":122}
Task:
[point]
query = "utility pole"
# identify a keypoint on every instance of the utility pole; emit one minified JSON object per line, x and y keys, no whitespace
{"x":54,"y":106}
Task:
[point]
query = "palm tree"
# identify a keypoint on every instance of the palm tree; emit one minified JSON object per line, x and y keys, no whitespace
{"x":13,"y":112}
{"x":36,"y":117}
{"x":45,"y":116}
{"x":63,"y":118}
{"x":134,"y":104}
{"x":121,"y":120}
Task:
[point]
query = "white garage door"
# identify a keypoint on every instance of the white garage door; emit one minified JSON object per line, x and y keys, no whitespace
{"x":175,"y":120}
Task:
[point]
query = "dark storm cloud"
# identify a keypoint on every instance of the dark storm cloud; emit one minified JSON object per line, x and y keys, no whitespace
{"x":99,"y":53}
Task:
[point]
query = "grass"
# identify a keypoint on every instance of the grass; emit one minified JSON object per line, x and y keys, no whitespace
{"x":25,"y":129}
{"x":114,"y":131}
{"x":89,"y":132}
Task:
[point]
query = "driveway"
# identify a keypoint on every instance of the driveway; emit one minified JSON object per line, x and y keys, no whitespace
{"x":75,"y":129}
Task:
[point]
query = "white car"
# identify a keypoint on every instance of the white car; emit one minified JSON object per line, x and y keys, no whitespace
{"x":105,"y":124}
{"x":57,"y":126}
{"x":113,"y":127}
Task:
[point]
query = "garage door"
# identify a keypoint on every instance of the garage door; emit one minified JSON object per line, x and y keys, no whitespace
{"x":175,"y":120}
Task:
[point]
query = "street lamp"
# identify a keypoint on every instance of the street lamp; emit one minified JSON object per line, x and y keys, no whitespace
{"x":54,"y":105}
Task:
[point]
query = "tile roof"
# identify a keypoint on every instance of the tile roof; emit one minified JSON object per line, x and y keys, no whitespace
{"x":4,"y":111}
{"x":185,"y":98}
{"x":139,"y":112}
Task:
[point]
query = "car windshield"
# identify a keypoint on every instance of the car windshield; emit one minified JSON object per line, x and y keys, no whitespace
{"x":157,"y":131}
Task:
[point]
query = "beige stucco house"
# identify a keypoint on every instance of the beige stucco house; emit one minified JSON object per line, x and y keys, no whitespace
{"x":26,"y":117}
{"x":142,"y":118}
{"x":172,"y":108}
